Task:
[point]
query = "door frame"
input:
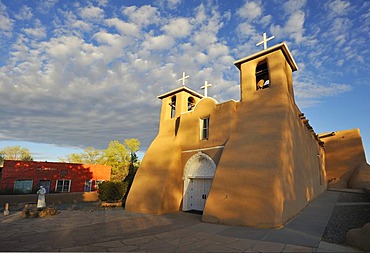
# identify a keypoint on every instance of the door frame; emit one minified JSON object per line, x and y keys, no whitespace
{"x":46,"y":184}
{"x":199,"y":166}
{"x":88,"y":186}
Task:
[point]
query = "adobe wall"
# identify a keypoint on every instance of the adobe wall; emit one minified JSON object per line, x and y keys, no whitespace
{"x":54,"y":198}
{"x":344,"y":153}
{"x":269,"y":164}
{"x":158,"y":184}
{"x":261,"y":179}
{"x":157,"y":187}
{"x":303,"y":175}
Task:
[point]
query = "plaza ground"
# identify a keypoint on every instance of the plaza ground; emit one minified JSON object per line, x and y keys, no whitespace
{"x":91,"y":229}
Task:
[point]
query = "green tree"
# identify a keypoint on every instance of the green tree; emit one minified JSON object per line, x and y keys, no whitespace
{"x":1,"y":159}
{"x":72,"y":158}
{"x":88,"y":156}
{"x":133,"y":145}
{"x":15,"y":153}
{"x":112,"y":191}
{"x":92,"y":156}
{"x":118,"y":157}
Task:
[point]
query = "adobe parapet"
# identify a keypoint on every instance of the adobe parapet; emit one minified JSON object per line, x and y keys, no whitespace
{"x":282,"y":46}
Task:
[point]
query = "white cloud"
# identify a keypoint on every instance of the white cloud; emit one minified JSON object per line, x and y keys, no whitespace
{"x":265,"y":20}
{"x":6,"y":24}
{"x":160,"y":42}
{"x":178,"y":28}
{"x":200,"y":15}
{"x":92,"y":13}
{"x":63,"y":48}
{"x":306,"y":90}
{"x":295,"y":26}
{"x":25,"y":13}
{"x":142,"y":16}
{"x":38,"y":32}
{"x":217,"y":50}
{"x":292,"y":6}
{"x":103,"y":2}
{"x":104,"y":37}
{"x":246,"y":30}
{"x":171,"y":4}
{"x":250,"y":10}
{"x":124,"y":28}
{"x":339,"y":7}
{"x":101,"y":78}
{"x":45,"y":5}
{"x":207,"y":26}
{"x":111,"y":46}
{"x":340,"y":62}
{"x":340,"y":39}
{"x":310,"y":89}
{"x":81,"y":25}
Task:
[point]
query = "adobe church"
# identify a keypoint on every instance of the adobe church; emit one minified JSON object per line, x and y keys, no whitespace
{"x":254,"y":162}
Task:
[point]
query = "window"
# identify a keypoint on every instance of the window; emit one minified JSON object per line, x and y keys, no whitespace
{"x":262,"y":76}
{"x":63,"y":186}
{"x":173,"y":106}
{"x":88,"y":184}
{"x":204,"y":128}
{"x":23,"y":186}
{"x":191,"y":103}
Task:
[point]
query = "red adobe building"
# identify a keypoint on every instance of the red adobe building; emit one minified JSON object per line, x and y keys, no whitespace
{"x":28,"y":176}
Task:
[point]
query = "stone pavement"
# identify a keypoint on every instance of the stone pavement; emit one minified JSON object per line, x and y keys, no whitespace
{"x":118,"y":230}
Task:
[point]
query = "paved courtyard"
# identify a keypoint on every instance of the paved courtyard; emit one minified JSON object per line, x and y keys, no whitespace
{"x":119,"y":230}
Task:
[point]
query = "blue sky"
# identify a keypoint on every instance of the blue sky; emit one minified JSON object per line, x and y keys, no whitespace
{"x":75,"y":74}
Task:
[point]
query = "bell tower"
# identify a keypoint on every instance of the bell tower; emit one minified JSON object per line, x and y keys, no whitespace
{"x":268,"y":72}
{"x":178,"y":101}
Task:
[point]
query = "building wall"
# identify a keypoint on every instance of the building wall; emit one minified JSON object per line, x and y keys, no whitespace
{"x":158,"y":184}
{"x":36,"y":171}
{"x":269,"y":164}
{"x":344,"y":153}
{"x":269,"y":168}
{"x":70,"y":197}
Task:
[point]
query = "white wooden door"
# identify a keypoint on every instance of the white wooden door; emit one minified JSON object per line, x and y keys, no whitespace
{"x":199,"y":190}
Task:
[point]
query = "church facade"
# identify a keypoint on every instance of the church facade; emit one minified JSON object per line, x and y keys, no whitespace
{"x":254,"y":162}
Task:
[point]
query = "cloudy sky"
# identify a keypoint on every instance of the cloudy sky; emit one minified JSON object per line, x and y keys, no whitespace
{"x":75,"y":74}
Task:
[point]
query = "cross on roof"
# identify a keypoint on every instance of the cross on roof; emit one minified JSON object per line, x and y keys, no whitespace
{"x":183,"y":79}
{"x":205,"y":87}
{"x":264,"y":41}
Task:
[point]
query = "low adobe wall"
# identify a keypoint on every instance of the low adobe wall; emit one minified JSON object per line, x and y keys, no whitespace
{"x":344,"y":153}
{"x":50,"y":198}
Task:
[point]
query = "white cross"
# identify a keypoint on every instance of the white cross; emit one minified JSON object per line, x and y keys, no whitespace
{"x":264,"y":41}
{"x":183,"y":79}
{"x":206,"y":85}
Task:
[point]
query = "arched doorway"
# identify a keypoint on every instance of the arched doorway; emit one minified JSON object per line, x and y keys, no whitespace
{"x":198,"y":174}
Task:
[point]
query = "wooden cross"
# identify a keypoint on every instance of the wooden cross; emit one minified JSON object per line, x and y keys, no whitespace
{"x":264,"y":41}
{"x":183,"y":79}
{"x":205,"y":87}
